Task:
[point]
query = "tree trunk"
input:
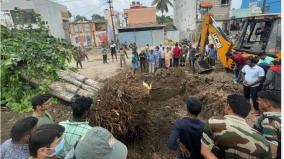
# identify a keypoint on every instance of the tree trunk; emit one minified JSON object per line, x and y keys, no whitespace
{"x":162,"y":18}
{"x":67,"y":91}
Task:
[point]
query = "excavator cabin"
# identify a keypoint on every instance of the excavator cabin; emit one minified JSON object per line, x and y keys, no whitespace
{"x":260,"y":34}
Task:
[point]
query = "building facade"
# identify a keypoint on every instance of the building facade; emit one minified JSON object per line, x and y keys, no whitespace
{"x":142,"y":27}
{"x":87,"y":33}
{"x":53,"y":14}
{"x":188,"y":15}
{"x":138,"y":14}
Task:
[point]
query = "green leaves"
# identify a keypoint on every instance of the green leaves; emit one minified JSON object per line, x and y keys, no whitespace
{"x":33,"y":53}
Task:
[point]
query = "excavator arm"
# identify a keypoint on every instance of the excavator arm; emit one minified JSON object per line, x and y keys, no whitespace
{"x":221,"y":43}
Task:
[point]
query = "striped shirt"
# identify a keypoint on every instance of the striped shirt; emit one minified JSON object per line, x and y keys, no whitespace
{"x":73,"y":132}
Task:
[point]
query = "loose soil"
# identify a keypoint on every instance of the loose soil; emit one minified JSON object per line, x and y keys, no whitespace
{"x":139,"y":118}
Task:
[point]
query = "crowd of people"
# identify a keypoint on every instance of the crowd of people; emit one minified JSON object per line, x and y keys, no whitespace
{"x":39,"y":137}
{"x":149,"y":59}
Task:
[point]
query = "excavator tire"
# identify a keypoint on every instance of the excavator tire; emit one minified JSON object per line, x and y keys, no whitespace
{"x":201,"y":66}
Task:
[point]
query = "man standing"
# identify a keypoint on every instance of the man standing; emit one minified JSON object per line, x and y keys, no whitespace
{"x":104,"y":52}
{"x":184,"y":51}
{"x":79,"y":125}
{"x":98,"y":143}
{"x":252,"y":76}
{"x":239,"y":61}
{"x":113,"y":50}
{"x":269,"y":123}
{"x":212,"y":55}
{"x":231,"y":137}
{"x":41,"y":104}
{"x":157,"y":57}
{"x":17,"y":146}
{"x":122,"y":54}
{"x":142,"y":59}
{"x":176,"y":54}
{"x":151,"y":61}
{"x":162,"y":59}
{"x":265,"y":59}
{"x":186,"y":134}
{"x":273,"y":78}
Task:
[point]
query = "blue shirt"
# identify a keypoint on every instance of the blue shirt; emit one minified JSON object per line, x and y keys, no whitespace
{"x":151,"y":57}
{"x":189,"y":132}
{"x":10,"y":150}
{"x":212,"y":53}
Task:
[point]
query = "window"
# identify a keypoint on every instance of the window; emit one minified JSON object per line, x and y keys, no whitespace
{"x":256,"y":34}
{"x":86,"y":27}
{"x":224,"y":3}
{"x":75,"y":28}
{"x":76,"y":40}
{"x":274,"y":42}
{"x":26,"y":18}
{"x":88,"y":40}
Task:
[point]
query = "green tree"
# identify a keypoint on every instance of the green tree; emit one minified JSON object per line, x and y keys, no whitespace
{"x":80,"y":18}
{"x":33,"y":53}
{"x":97,"y":17}
{"x":168,"y":21}
{"x":69,"y":14}
{"x":162,"y":5}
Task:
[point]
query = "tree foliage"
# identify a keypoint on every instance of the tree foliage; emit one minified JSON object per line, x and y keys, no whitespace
{"x":31,"y":52}
{"x":162,"y":5}
{"x":80,"y":18}
{"x":166,"y":20}
{"x":97,"y":17}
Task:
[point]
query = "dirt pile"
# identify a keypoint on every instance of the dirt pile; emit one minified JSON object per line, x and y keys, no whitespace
{"x":120,"y":106}
{"x":131,"y":113}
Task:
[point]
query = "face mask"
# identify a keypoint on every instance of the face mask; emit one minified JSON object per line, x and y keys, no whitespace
{"x":57,"y":149}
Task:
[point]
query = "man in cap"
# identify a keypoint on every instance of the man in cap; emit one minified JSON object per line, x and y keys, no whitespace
{"x":98,"y":143}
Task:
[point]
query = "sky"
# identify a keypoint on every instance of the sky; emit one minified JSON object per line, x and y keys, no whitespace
{"x":89,"y":7}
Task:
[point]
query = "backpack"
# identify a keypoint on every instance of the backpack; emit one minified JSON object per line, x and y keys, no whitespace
{"x":259,"y":128}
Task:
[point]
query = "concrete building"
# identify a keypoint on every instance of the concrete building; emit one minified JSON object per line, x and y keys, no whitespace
{"x":142,"y":27}
{"x":138,"y":14}
{"x":188,"y":15}
{"x":88,"y":33}
{"x":55,"y":15}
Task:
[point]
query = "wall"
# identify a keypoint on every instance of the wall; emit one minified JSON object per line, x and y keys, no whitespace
{"x":185,"y":15}
{"x":49,"y":11}
{"x":220,"y":12}
{"x":141,"y":38}
{"x":88,"y":34}
{"x":139,"y":16}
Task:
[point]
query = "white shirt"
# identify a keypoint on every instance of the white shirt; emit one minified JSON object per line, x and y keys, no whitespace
{"x":252,"y":74}
{"x":112,"y":45}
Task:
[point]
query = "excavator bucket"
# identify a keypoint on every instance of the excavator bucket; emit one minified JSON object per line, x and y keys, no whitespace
{"x":201,"y":66}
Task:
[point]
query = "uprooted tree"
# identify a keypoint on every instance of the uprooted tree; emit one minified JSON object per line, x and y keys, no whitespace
{"x":28,"y":50}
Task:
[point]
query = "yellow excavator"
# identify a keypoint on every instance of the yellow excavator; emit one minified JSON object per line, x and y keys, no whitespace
{"x":259,"y":34}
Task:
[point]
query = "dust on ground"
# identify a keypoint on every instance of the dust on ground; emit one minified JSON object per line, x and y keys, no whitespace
{"x":94,"y":67}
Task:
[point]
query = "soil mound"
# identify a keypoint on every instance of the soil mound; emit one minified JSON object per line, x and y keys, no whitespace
{"x":143,"y":119}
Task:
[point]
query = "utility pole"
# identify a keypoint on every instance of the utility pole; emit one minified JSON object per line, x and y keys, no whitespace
{"x":263,"y":6}
{"x":111,"y":16}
